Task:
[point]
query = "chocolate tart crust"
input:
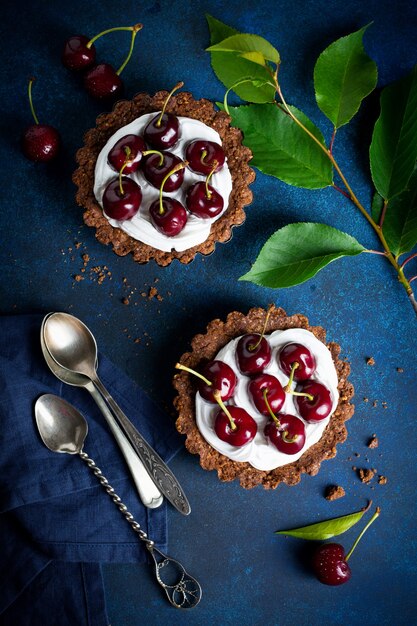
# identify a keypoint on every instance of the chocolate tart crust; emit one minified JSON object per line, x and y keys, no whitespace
{"x":204,"y":348}
{"x":182,"y":104}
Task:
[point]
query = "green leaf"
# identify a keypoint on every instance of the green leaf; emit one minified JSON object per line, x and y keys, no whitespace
{"x":280,"y":147}
{"x":231,"y":68}
{"x":297,"y":252}
{"x":400,"y":223}
{"x":327,"y":529}
{"x":376,"y":207}
{"x":343,"y":76}
{"x":246,"y":43}
{"x":393,"y":151}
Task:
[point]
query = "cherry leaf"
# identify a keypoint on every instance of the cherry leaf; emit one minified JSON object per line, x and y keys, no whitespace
{"x":393,"y":151}
{"x":327,"y":529}
{"x":246,"y":43}
{"x":343,"y":76}
{"x":280,"y":147}
{"x":400,"y":222}
{"x":296,"y":252}
{"x":230,"y":67}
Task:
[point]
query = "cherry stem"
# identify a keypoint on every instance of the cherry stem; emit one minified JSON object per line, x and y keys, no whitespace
{"x":127,"y":162}
{"x":135,"y":29}
{"x":177,"y":168}
{"x":270,"y":411}
{"x":294,"y":366}
{"x":371,"y":521}
{"x":218,"y":397}
{"x":301,"y":394}
{"x":253,"y":346}
{"x":177,"y":86}
{"x":31,"y":81}
{"x":161,"y":156}
{"x":208,"y":192}
{"x":184,"y":368}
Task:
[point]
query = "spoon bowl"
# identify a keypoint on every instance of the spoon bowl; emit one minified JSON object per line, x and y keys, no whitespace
{"x":61,"y":427}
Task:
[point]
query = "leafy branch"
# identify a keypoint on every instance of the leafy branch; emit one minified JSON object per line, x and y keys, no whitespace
{"x":287,"y":145}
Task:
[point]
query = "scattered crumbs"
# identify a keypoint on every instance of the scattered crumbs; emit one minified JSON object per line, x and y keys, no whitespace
{"x":382,"y":480}
{"x":152,"y":293}
{"x":366,"y":475}
{"x":370,"y":361}
{"x":78,"y":277}
{"x":125,"y":301}
{"x":137,"y":340}
{"x":78,"y":245}
{"x":366,"y":399}
{"x":384,"y":405}
{"x":375,"y":403}
{"x":334,"y":492}
{"x":373,"y":442}
{"x":357,"y":454}
{"x":354,"y":468}
{"x":400,"y":370}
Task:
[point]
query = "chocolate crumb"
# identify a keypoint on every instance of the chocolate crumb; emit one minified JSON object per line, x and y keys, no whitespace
{"x":400,"y":370}
{"x":370,"y":361}
{"x":366,"y":399}
{"x":78,"y":277}
{"x":125,"y":300}
{"x":152,"y":293}
{"x":366,"y":475}
{"x":334,"y":492}
{"x":373,"y":442}
{"x":382,"y":480}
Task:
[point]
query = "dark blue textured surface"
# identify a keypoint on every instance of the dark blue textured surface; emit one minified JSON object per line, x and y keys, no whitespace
{"x":248,"y":575}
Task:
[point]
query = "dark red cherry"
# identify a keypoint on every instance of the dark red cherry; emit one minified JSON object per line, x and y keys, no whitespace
{"x":172,"y":219}
{"x":40,"y":142}
{"x":132,"y":144}
{"x":297,"y":353}
{"x":245,"y":425}
{"x":201,"y":156}
{"x":330,"y":566}
{"x":155,"y":171}
{"x":288,"y":435}
{"x":201,"y":204}
{"x":253,"y":353}
{"x":221,"y":376}
{"x":122,"y":206}
{"x":265,"y":383}
{"x":76,"y":55}
{"x":162,"y":132}
{"x":316,"y":407}
{"x":103,"y":83}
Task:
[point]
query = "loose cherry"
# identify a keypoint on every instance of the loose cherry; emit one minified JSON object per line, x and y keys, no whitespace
{"x":296,"y":359}
{"x":162,"y":131}
{"x":40,"y":142}
{"x":131,"y":146}
{"x":275,"y":393}
{"x":167,"y":214}
{"x":287,"y":432}
{"x":79,"y":53}
{"x":233,"y":424}
{"x":253,"y":352}
{"x":201,"y":155}
{"x":313,"y":401}
{"x":214,"y":376}
{"x":122,"y":197}
{"x":203,"y":200}
{"x":159,"y":167}
{"x":103,"y":82}
{"x":330,"y":564}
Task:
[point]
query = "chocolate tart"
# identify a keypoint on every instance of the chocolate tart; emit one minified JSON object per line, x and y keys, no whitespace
{"x":205,"y":347}
{"x":182,"y":104}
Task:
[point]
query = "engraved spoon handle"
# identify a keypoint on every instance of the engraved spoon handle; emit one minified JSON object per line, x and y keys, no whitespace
{"x":158,"y":470}
{"x":183,"y":593}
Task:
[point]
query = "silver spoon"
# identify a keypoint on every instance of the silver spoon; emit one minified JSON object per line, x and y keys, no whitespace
{"x":63,"y":429}
{"x":148,"y":491}
{"x":72,"y":345}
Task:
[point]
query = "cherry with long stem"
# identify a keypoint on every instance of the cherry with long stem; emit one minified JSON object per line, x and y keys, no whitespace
{"x":40,"y":142}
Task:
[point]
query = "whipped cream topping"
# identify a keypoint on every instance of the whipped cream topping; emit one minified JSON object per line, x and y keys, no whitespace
{"x":140,"y":226}
{"x":260,"y":452}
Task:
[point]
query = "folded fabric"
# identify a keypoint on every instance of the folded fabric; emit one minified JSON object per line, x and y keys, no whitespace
{"x":56,"y":520}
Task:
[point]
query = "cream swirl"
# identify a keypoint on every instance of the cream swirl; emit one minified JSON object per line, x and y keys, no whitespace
{"x":260,"y":452}
{"x":140,"y":227}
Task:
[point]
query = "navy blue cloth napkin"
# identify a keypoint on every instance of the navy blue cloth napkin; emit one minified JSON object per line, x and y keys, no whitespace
{"x":56,"y":522}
